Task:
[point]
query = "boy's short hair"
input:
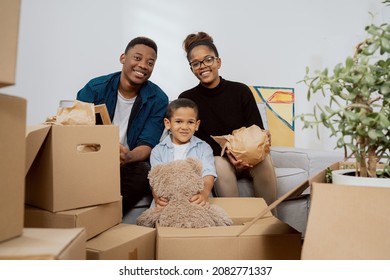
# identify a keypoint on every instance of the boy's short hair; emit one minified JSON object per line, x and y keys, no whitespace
{"x":142,"y":41}
{"x":181,"y":103}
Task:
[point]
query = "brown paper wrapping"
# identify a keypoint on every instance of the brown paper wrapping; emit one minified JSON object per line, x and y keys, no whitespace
{"x":81,"y":113}
{"x":251,"y":145}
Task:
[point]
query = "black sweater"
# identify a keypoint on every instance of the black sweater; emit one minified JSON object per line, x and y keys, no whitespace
{"x":229,"y":106}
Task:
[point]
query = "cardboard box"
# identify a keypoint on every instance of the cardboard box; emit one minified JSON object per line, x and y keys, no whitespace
{"x":9,"y":33}
{"x":12,"y":165}
{"x":35,"y":136}
{"x":348,"y":222}
{"x":76,"y":166}
{"x":95,"y":219}
{"x":266,"y":238}
{"x":123,"y":242}
{"x":45,"y":244}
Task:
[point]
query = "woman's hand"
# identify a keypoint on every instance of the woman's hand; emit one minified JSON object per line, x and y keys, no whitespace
{"x":238,"y":164}
{"x":268,"y":134}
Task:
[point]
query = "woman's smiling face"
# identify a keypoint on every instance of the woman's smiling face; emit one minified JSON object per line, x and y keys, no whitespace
{"x":207,"y":75}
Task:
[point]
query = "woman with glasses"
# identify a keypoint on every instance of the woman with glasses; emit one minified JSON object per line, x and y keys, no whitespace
{"x":223,"y":107}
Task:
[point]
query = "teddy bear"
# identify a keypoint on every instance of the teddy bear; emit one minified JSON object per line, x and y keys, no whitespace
{"x":178,"y":181}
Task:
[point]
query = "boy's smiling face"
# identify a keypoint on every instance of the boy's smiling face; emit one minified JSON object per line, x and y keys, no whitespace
{"x":183,"y":124}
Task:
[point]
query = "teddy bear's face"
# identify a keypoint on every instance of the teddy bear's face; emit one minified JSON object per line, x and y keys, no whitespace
{"x":180,"y":177}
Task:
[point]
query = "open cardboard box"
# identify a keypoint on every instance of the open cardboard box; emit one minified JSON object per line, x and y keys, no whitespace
{"x":266,"y":238}
{"x":64,"y":174}
{"x":95,"y":219}
{"x":12,"y":164}
{"x":45,"y":244}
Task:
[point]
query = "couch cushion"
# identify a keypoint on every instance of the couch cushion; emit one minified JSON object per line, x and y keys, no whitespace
{"x":287,"y":179}
{"x":295,"y":212}
{"x":310,"y":160}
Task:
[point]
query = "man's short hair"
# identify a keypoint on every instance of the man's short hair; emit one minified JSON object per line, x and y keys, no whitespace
{"x":142,"y":41}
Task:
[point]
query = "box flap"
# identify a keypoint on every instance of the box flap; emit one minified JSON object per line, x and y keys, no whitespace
{"x":35,"y":136}
{"x":36,"y":243}
{"x":233,"y":206}
{"x":348,"y":222}
{"x":102,"y":116}
{"x":116,"y":236}
{"x":319,"y":177}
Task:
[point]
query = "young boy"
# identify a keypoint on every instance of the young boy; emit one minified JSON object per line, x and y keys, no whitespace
{"x":182,"y":121}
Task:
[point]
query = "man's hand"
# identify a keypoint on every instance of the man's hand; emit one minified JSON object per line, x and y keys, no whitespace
{"x":124,"y":154}
{"x":137,"y":154}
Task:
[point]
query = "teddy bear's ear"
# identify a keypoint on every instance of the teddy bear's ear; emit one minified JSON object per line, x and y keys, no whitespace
{"x":195,"y":164}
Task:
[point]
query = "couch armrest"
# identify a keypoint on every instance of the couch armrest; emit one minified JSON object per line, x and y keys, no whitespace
{"x":310,"y":160}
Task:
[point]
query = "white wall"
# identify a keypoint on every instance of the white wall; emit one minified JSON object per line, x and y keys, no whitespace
{"x":63,"y":44}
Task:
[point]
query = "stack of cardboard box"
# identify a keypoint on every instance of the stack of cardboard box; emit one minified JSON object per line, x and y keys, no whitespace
{"x":73,"y":181}
{"x":70,"y":185}
{"x":17,"y":242}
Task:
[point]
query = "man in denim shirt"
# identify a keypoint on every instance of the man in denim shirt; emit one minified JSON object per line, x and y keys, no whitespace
{"x":138,"y":107}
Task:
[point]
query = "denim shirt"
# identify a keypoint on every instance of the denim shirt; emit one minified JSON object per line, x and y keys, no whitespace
{"x":198,"y":149}
{"x":146,"y":120}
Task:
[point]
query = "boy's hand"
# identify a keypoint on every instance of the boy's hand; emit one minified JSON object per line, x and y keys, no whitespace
{"x":202,"y":199}
{"x":161,"y":202}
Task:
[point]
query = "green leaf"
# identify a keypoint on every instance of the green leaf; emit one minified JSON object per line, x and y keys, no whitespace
{"x":384,"y":122}
{"x":385,"y":44}
{"x":372,"y":133}
{"x":349,"y":63}
{"x":385,"y":88}
{"x":370,"y":49}
{"x":337,"y":69}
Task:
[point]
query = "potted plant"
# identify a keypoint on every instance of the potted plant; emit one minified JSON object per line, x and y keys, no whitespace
{"x":357,"y":97}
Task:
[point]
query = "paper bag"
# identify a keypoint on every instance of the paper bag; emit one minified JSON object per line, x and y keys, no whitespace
{"x":81,"y":113}
{"x":251,"y":145}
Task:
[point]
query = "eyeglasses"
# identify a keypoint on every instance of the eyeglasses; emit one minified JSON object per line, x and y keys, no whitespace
{"x":207,"y":61}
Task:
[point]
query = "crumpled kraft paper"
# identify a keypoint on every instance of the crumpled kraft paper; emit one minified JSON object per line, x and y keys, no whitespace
{"x":249,"y":144}
{"x":81,"y":113}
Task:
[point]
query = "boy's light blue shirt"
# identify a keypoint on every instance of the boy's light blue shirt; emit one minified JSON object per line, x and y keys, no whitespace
{"x":199,"y":149}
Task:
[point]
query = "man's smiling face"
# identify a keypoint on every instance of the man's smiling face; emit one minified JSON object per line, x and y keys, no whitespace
{"x":138,"y":64}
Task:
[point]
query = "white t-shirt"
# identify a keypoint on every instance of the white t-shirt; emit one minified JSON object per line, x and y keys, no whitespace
{"x":121,"y":116}
{"x":180,"y":151}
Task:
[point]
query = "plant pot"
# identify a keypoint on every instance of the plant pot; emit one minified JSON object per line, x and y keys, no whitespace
{"x":339,"y":177}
